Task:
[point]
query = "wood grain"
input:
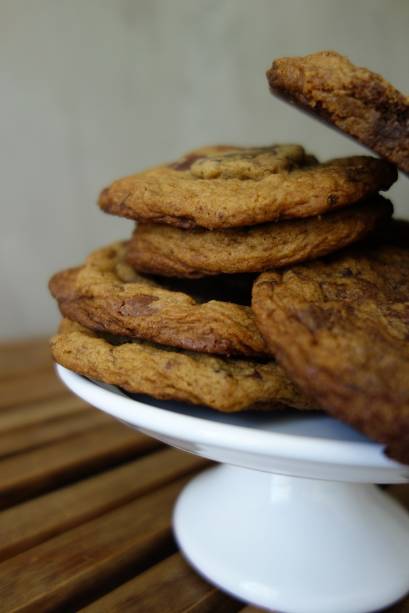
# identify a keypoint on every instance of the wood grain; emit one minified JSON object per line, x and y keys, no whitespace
{"x":38,"y":435}
{"x":35,"y":413}
{"x":78,"y":562}
{"x":32,"y":386}
{"x":87,"y":505}
{"x":171,"y":585}
{"x":19,"y":357}
{"x":35,"y":521}
{"x":58,"y":463}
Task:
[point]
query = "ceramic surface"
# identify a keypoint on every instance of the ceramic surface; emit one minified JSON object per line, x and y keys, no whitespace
{"x":295,"y":545}
{"x":314,"y":536}
{"x":290,"y":443}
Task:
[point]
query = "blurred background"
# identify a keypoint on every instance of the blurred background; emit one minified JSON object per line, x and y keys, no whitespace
{"x":94,"y":90}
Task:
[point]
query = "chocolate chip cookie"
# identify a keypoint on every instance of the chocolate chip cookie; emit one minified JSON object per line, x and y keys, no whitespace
{"x":340,"y":328}
{"x":107,"y":295}
{"x":225,"y":187}
{"x":355,"y":100}
{"x":167,"y":250}
{"x":140,"y":367}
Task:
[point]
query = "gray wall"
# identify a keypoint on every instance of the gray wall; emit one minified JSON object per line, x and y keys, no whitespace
{"x":95,"y":89}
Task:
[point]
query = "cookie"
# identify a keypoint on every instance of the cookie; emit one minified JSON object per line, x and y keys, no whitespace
{"x":230,"y":187}
{"x":143,"y":368}
{"x":107,"y":295}
{"x":355,"y":100}
{"x":166,"y":250}
{"x":340,"y":328}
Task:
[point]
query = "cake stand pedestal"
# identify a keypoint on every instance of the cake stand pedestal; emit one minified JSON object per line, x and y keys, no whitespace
{"x":291,"y":520}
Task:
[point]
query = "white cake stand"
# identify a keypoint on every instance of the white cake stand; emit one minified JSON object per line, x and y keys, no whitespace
{"x":291,"y":520}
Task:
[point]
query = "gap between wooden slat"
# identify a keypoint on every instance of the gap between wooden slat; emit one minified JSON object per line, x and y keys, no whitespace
{"x":35,"y":472}
{"x":171,"y":585}
{"x":21,"y":356}
{"x":35,"y":521}
{"x":39,"y":412}
{"x":30,"y":387}
{"x":26,"y":371}
{"x":81,"y":561}
{"x":28,"y":362}
{"x":40,"y":434}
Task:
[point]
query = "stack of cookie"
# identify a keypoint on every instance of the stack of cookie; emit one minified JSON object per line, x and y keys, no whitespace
{"x":340,"y":326}
{"x":168,"y":312}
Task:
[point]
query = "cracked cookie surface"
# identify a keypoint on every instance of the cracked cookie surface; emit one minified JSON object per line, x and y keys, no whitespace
{"x":355,"y":100}
{"x":139,"y":367}
{"x":226,"y":187}
{"x":167,"y":250}
{"x":340,"y":328}
{"x":107,"y":295}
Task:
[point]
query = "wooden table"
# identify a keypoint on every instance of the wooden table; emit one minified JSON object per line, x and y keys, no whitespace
{"x":85,"y":520}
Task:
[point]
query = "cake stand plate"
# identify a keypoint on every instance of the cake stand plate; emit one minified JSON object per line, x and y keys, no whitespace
{"x":291,"y":520}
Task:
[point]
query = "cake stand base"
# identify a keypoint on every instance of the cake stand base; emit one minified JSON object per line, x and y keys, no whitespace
{"x":292,"y":544}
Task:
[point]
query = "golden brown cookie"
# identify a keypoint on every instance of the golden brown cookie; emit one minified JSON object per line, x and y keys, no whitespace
{"x":143,"y":368}
{"x":107,"y":295}
{"x":354,"y":100}
{"x":340,"y":328}
{"x":166,"y":250}
{"x":225,"y":187}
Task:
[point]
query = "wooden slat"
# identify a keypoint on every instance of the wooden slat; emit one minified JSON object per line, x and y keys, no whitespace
{"x":35,"y":521}
{"x":37,"y":435}
{"x":37,"y":471}
{"x":170,"y":585}
{"x":82,"y":560}
{"x":76,"y":544}
{"x":30,"y":387}
{"x":18,"y":357}
{"x":35,"y":413}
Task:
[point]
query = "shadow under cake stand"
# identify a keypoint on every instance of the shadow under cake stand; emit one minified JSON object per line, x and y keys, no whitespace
{"x":290,"y":520}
